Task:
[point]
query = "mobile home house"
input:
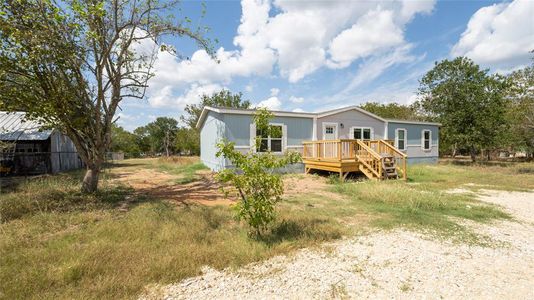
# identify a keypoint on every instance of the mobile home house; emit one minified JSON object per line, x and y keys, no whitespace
{"x":335,"y":135}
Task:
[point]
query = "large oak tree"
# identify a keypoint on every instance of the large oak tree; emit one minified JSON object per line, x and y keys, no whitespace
{"x":71,"y":63}
{"x":468,"y":101}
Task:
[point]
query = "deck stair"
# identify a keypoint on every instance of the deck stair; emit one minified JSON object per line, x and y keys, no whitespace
{"x":376,"y":159}
{"x":389,"y":167}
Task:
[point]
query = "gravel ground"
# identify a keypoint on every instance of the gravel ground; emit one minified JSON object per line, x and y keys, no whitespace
{"x":397,"y":264}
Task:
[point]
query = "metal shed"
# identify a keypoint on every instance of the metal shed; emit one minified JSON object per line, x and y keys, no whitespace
{"x":28,"y":148}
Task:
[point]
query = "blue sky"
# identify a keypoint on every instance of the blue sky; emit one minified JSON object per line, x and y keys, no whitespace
{"x":319,"y":55}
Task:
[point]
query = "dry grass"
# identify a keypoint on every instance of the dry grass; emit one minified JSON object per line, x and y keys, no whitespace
{"x":100,"y":250}
{"x":62,"y":244}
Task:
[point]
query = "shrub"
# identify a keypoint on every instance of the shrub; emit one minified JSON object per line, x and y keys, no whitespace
{"x":254,"y":177}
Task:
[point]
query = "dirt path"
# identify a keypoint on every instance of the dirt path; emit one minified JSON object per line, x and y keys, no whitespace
{"x":397,"y":264}
{"x":157,"y":184}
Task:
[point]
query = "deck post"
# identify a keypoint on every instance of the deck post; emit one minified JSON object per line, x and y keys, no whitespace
{"x":404,"y":170}
{"x":339,"y":150}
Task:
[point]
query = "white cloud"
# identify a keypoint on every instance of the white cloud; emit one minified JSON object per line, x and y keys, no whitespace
{"x":272,"y":103}
{"x":410,"y":8}
{"x":298,"y":110}
{"x":166,"y":98}
{"x":375,"y":32}
{"x":499,"y":36}
{"x":322,"y":33}
{"x":275,"y":92}
{"x":296,"y":99}
{"x":374,"y":67}
{"x":249,"y":88}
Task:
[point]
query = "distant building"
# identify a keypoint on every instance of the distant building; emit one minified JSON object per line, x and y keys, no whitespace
{"x":28,"y":148}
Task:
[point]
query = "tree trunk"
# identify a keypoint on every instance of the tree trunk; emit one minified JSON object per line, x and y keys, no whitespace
{"x":454,"y":151}
{"x":473,"y":154}
{"x":90,"y":180}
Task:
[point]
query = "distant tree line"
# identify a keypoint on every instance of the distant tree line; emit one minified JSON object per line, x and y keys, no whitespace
{"x":481,"y":113}
{"x":167,"y":136}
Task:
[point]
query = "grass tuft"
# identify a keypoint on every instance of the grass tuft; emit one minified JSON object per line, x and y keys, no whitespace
{"x":185,"y":167}
{"x":58,"y":243}
{"x":59,"y":193}
{"x":397,"y":204}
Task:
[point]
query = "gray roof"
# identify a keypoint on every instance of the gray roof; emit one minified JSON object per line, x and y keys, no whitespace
{"x":220,"y":109}
{"x":14,"y":127}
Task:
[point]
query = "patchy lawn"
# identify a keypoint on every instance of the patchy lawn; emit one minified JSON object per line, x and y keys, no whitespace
{"x":160,"y":221}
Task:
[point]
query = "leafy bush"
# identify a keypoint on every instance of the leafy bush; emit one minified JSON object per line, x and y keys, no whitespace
{"x":254,"y":177}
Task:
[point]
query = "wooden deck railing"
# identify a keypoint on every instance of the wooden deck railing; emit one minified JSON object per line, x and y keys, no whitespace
{"x":368,"y":157}
{"x":329,"y":150}
{"x":370,"y":153}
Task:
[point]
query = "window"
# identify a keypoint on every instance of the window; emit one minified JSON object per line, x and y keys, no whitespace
{"x":400,"y":139}
{"x":272,"y":142}
{"x":362,"y":133}
{"x":329,"y":130}
{"x":426,"y":139}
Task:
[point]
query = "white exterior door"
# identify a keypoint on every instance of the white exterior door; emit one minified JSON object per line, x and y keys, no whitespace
{"x":329,"y":131}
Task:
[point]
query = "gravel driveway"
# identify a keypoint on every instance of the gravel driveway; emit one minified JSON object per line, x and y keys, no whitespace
{"x":396,"y":264}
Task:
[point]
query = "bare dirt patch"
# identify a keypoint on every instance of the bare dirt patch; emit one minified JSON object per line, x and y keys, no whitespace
{"x":206,"y":190}
{"x":152,"y":183}
{"x":295,"y":185}
{"x":395,"y":264}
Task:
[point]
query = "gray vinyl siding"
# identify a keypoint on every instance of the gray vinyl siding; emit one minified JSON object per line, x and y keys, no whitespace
{"x":349,"y":119}
{"x":414,"y":148}
{"x":238,"y":129}
{"x":298,"y":129}
{"x":211,"y":133}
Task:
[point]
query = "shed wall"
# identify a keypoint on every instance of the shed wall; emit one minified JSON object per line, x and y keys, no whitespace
{"x":63,"y":154}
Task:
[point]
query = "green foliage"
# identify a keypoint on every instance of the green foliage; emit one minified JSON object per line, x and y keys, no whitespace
{"x":159,"y":135}
{"x":254,"y":177}
{"x":124,"y":141}
{"x":223,"y":98}
{"x":187,"y":141}
{"x":520,"y":111}
{"x":393,"y":110}
{"x":468,"y":102}
{"x":70,"y":64}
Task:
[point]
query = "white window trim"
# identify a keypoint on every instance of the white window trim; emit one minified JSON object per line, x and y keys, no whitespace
{"x":405,"y":138}
{"x":253,"y":137}
{"x":330,"y":124}
{"x":372,"y":137}
{"x":423,"y":140}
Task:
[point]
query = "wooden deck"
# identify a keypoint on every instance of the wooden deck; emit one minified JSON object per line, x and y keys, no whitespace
{"x":377,"y":159}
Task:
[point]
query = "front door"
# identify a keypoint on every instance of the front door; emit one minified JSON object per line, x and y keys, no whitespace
{"x":330,"y":131}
